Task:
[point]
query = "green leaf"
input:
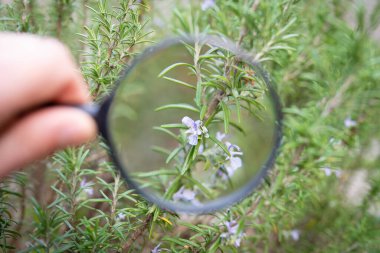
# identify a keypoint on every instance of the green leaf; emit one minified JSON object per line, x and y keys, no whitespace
{"x":211,"y":56}
{"x":223,"y":79}
{"x":191,"y":226}
{"x":226,"y":118}
{"x":216,"y":85}
{"x":203,"y":112}
{"x":198,"y":94}
{"x":155,"y":173}
{"x":174,"y":187}
{"x":167,"y":69}
{"x":160,"y":150}
{"x":237,"y":103}
{"x":180,"y":241}
{"x":252,"y":101}
{"x":188,"y":159}
{"x":177,"y":106}
{"x":214,"y":247}
{"x":201,"y":187}
{"x":282,"y":47}
{"x":164,"y":130}
{"x":179,"y":82}
{"x":173,"y":154}
{"x":175,"y":125}
{"x":220,"y":144}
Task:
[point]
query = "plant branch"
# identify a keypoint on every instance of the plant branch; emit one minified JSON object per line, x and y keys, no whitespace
{"x":336,"y":101}
{"x":60,"y":12}
{"x":255,"y":5}
{"x":214,"y":104}
{"x":138,"y":232}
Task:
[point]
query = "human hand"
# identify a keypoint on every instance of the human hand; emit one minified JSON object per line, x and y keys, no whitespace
{"x":35,"y":71}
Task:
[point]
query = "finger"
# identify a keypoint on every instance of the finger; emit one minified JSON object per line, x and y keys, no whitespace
{"x":34,"y":71}
{"x":40,"y":133}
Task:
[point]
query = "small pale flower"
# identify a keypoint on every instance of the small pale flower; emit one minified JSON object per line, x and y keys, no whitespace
{"x":328,"y":172}
{"x":205,"y":131}
{"x":121,"y":216}
{"x":195,"y":129}
{"x":238,"y":241}
{"x":184,"y":194}
{"x":86,"y":187}
{"x":233,"y":162}
{"x":156,"y":249}
{"x":89,"y":191}
{"x":338,"y":173}
{"x":201,"y":149}
{"x":220,"y":136}
{"x":207,"y":4}
{"x":233,"y":149}
{"x":350,"y":123}
{"x":231,"y":226}
{"x":295,"y":234}
{"x":232,"y":234}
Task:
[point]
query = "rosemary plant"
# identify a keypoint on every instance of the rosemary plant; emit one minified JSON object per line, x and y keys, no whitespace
{"x":322,"y":194}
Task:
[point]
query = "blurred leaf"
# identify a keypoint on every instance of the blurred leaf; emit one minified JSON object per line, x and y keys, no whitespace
{"x":177,"y":106}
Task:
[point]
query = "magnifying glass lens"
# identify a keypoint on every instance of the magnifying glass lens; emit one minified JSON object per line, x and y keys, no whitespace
{"x":192,"y":123}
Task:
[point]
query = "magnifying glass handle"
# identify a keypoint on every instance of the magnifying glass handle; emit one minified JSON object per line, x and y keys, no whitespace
{"x":91,"y":109}
{"x":97,"y":111}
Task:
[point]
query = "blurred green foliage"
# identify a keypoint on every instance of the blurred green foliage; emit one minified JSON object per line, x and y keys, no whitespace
{"x":321,"y":196}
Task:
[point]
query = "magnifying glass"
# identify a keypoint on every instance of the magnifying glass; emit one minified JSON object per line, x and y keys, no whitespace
{"x":193,"y":124}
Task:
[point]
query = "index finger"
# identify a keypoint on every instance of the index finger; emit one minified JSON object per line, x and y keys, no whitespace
{"x":35,"y":71}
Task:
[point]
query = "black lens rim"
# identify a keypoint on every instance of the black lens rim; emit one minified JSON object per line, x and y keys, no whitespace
{"x":220,"y":203}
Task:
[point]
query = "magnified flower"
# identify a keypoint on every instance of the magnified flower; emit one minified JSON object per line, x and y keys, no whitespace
{"x":86,"y":187}
{"x":201,"y":149}
{"x":233,"y":162}
{"x":184,"y":194}
{"x":207,"y":4}
{"x":232,"y":234}
{"x":195,"y":129}
{"x":156,"y":249}
{"x":220,"y":136}
{"x":349,"y":123}
{"x":233,"y":149}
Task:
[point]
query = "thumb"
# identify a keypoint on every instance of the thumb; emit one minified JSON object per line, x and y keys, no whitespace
{"x":40,"y":133}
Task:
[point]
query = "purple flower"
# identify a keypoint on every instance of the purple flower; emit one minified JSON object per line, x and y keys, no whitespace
{"x":233,"y":162}
{"x":185,"y":195}
{"x":232,"y":234}
{"x":231,"y":226}
{"x":328,"y":172}
{"x":349,"y":123}
{"x":207,"y":4}
{"x":195,"y":129}
{"x":87,"y":187}
{"x":295,"y":234}
{"x":238,"y":241}
{"x":201,"y":149}
{"x":220,"y":136}
{"x":156,"y":249}
{"x":233,"y":149}
{"x":121,"y":216}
